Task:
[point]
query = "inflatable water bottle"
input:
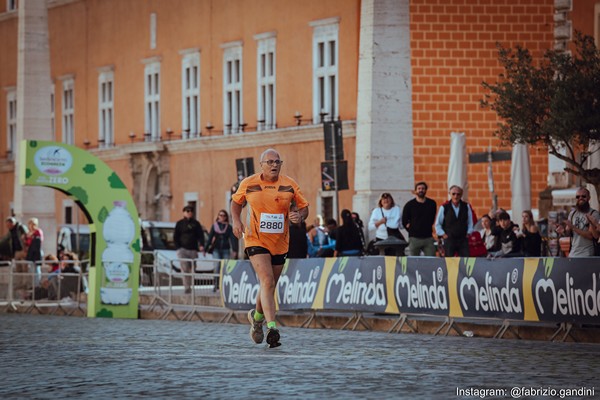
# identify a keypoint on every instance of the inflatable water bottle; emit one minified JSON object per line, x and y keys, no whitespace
{"x":117,"y":258}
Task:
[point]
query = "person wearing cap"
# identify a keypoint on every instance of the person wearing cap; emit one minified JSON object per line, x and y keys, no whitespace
{"x":189,"y":239}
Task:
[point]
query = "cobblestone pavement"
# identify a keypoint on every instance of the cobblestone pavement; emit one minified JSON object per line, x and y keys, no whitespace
{"x":68,"y":357}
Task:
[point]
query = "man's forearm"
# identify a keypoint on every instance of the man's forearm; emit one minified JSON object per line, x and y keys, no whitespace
{"x":236,"y":211}
{"x":303,"y":212}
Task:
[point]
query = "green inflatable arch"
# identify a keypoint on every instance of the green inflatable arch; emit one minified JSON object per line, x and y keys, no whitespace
{"x":114,"y":224}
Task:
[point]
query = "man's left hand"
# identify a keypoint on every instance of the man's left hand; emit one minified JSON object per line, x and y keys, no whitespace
{"x":295,"y":217}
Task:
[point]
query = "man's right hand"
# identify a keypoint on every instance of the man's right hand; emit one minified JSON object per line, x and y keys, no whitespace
{"x":238,"y":229}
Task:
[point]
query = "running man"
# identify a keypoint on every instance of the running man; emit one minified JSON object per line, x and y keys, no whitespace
{"x":273,"y":201}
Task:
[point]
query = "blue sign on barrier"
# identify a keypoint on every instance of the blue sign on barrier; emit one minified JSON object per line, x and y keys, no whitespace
{"x":239,"y":286}
{"x":530,"y":289}
{"x":421,"y":285}
{"x":357,"y":284}
{"x":299,"y":282}
{"x":567,"y":290}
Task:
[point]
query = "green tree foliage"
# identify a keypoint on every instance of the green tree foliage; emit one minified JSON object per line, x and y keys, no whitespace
{"x":555,"y":103}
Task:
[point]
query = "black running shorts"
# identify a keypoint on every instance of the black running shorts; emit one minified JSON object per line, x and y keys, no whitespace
{"x":275,"y":260}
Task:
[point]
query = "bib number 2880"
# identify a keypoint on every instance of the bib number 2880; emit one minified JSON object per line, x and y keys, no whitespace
{"x":271,"y":223}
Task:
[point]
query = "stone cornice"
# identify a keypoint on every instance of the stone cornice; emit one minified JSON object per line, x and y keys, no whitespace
{"x":297,"y":134}
{"x":58,"y":3}
{"x":5,"y":16}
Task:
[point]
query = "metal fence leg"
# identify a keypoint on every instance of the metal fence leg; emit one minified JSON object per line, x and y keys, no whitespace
{"x":399,"y":323}
{"x":437,"y":331}
{"x":502,"y":330}
{"x":360,"y":319}
{"x":312,"y":317}
{"x":228,"y":317}
{"x":566,"y":327}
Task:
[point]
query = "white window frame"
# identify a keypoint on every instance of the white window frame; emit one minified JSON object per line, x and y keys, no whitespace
{"x":11,"y":123}
{"x":152,"y":100}
{"x":106,"y":107}
{"x":68,"y":111}
{"x":325,"y":69}
{"x":190,"y":94}
{"x":266,"y":79}
{"x":233,"y":114}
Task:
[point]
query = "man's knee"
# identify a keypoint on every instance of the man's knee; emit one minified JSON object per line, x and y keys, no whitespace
{"x":268,"y":285}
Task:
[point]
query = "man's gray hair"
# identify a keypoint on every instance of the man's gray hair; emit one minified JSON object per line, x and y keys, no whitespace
{"x":267,"y":151}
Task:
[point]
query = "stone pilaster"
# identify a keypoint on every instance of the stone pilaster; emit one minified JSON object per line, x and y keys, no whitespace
{"x":384,"y":135}
{"x":33,"y":113}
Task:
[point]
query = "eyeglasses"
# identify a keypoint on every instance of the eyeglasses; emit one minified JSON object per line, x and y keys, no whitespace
{"x":222,"y":215}
{"x":270,"y":163}
{"x":581,"y":196}
{"x":187,"y":211}
{"x":456,"y":194}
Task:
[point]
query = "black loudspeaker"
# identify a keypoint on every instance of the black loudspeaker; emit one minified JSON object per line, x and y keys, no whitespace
{"x":332,"y":133}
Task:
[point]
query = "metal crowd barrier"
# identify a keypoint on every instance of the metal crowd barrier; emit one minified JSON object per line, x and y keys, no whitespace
{"x":167,"y":279}
{"x":25,"y":286}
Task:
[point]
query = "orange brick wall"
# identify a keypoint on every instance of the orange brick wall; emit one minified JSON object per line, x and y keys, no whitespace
{"x":453,"y":50}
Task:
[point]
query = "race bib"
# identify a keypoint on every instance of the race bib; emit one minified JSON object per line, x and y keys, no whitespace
{"x":271,"y":223}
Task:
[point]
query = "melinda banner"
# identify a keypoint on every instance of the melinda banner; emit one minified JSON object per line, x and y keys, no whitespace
{"x":357,"y":284}
{"x":490,"y":288}
{"x":567,"y":290}
{"x":239,"y":285}
{"x":421,"y":285}
{"x":530,"y":289}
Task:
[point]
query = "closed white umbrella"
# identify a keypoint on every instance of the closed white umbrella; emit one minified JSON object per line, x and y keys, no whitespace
{"x":520,"y":181}
{"x":593,"y":162}
{"x":457,"y":167}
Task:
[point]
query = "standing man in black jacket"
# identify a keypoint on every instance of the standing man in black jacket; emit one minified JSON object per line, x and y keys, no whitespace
{"x":189,"y":239}
{"x":16,"y":235}
{"x":454,"y":222}
{"x":418,"y":217}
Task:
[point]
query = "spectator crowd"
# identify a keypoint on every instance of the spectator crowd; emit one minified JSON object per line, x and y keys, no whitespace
{"x":451,"y":229}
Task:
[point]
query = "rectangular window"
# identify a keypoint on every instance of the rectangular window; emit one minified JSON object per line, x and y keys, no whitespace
{"x":190,"y":80}
{"x":11,"y":5}
{"x":106,"y":135}
{"x":68,"y":105}
{"x":232,"y":88}
{"x":266,"y":81}
{"x":11,"y":124}
{"x":325,"y":70}
{"x":68,"y":215}
{"x":152,"y":102}
{"x":153,"y":31}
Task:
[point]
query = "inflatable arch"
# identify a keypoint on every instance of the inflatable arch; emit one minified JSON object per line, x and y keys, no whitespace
{"x":114,"y":223}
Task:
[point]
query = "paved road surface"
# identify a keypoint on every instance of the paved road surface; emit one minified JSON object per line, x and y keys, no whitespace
{"x":52,"y":357}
